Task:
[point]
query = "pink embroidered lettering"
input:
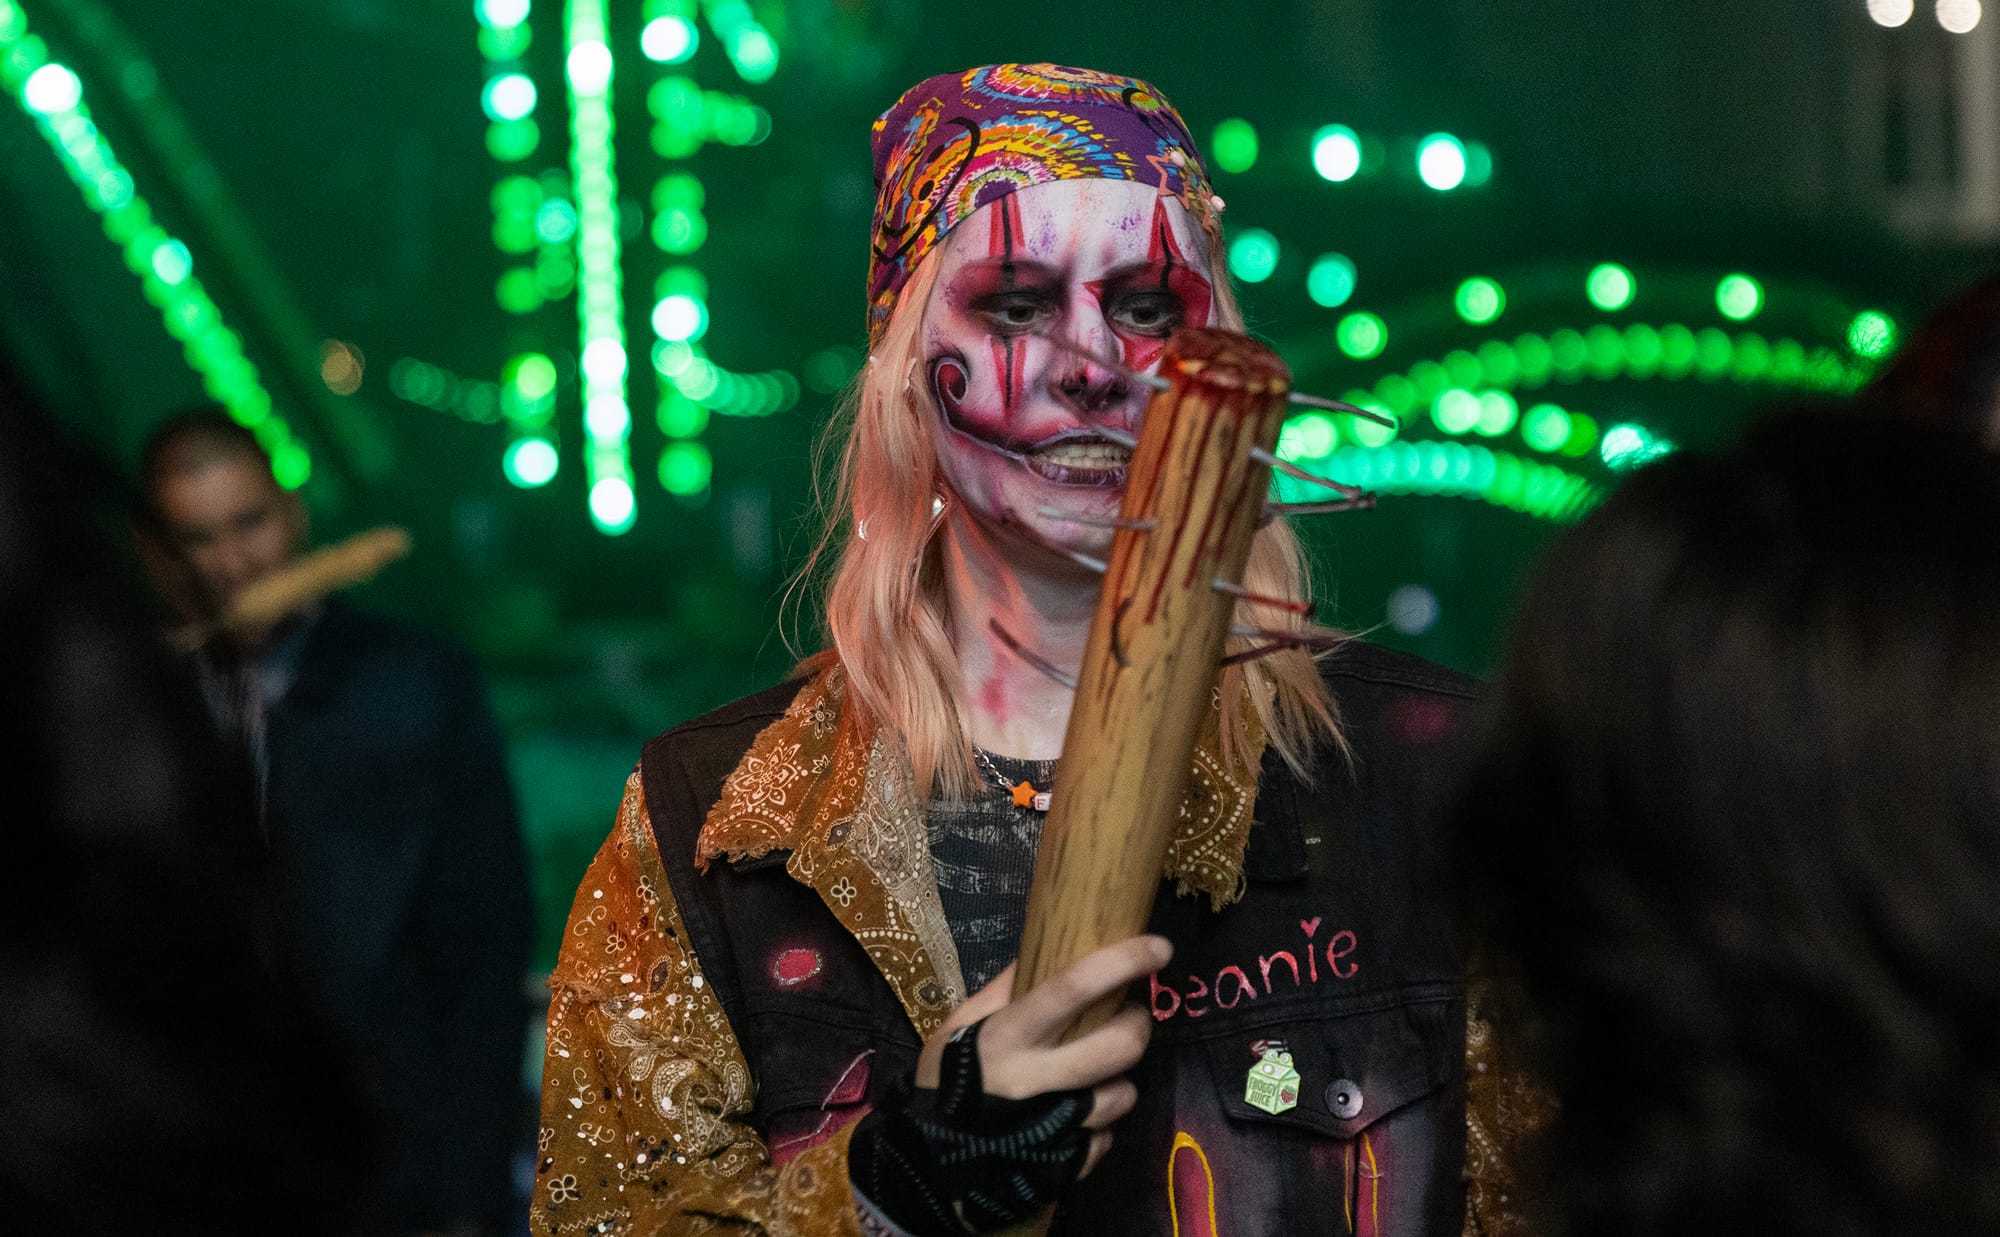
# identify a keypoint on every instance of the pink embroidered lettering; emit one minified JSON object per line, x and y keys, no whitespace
{"x":1232,"y":985}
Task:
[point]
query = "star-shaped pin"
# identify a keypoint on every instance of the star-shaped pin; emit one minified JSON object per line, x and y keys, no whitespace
{"x":1024,"y":794}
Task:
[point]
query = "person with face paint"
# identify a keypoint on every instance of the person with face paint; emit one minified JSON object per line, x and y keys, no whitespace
{"x":784,"y":1003}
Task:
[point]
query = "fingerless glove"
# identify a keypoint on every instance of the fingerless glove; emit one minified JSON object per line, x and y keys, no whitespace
{"x":955,"y":1160}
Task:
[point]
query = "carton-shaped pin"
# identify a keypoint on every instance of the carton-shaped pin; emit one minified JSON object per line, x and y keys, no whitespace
{"x":1273,"y":1085}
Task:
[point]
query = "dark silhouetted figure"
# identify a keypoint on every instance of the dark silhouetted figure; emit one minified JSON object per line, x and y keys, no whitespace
{"x":1735,"y":824}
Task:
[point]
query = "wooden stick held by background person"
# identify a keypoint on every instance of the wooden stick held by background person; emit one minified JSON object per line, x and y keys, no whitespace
{"x":312,"y":576}
{"x":1192,"y":503}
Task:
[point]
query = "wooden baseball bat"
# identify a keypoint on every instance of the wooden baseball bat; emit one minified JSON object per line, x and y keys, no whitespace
{"x":1193,"y":498}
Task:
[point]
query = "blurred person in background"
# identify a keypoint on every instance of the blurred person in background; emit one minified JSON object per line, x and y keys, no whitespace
{"x":160,"y":1070}
{"x":1734,"y":826}
{"x":386,"y":801}
{"x":784,"y":1003}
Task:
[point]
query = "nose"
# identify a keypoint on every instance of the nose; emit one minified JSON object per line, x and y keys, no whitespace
{"x":1091,"y":389}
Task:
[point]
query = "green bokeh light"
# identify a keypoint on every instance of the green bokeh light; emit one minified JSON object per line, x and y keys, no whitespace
{"x":612,"y":507}
{"x":669,"y":40}
{"x":1872,"y":335}
{"x":1441,"y":162}
{"x":1253,"y":255}
{"x":1362,"y":336}
{"x":1480,"y":300}
{"x":1331,"y":280}
{"x":685,"y":468}
{"x":1610,"y":287}
{"x":511,"y":141}
{"x":1739,"y":297}
{"x":531,"y":462}
{"x":508,"y":96}
{"x":1336,"y":152}
{"x":1234,"y":147}
{"x":1545,"y":427}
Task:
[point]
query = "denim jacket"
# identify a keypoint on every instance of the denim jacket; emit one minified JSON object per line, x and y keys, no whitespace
{"x":758,"y":952}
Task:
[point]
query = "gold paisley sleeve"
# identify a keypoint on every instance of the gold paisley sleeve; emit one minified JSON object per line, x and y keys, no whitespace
{"x":1505,"y":1107}
{"x":645,"y":1091}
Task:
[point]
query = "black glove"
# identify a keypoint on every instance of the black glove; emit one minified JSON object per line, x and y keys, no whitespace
{"x":955,"y":1160}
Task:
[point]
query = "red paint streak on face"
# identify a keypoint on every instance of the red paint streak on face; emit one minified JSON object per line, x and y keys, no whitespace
{"x":993,"y":698}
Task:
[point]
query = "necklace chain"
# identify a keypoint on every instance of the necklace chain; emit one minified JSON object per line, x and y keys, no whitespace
{"x":1037,"y":800}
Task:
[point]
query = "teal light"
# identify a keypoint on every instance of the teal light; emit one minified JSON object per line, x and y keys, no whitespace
{"x":1336,"y":153}
{"x":52,"y":90}
{"x":1330,"y":282}
{"x":1622,"y":445}
{"x":531,"y":462}
{"x":680,"y":317}
{"x":1739,"y":297}
{"x":1253,"y":255}
{"x":1362,"y":336}
{"x":171,"y":263}
{"x":1441,"y":162}
{"x":1872,"y":335}
{"x":1479,"y":301}
{"x":501,"y":14}
{"x":1234,"y":147}
{"x":1545,"y":428}
{"x":1610,"y":287}
{"x":611,"y":505}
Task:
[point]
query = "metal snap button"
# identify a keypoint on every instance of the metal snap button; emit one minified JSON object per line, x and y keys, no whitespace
{"x":1343,"y":1099}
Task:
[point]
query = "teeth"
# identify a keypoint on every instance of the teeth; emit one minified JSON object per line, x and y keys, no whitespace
{"x":1086,"y":455}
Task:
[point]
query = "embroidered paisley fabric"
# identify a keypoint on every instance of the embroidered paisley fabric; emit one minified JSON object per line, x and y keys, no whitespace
{"x":644,"y":1088}
{"x":646,"y":1091}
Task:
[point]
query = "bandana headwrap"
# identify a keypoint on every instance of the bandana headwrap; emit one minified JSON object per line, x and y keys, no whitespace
{"x":959,"y":141}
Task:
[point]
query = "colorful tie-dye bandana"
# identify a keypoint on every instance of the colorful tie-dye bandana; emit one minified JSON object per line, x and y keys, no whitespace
{"x":959,"y":141}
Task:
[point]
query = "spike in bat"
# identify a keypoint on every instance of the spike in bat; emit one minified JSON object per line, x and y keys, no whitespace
{"x":1008,"y":519}
{"x":1336,"y":405}
{"x":1360,"y":502}
{"x":1240,"y":593}
{"x":1150,"y":381}
{"x":1272,"y":462}
{"x":1033,"y":659}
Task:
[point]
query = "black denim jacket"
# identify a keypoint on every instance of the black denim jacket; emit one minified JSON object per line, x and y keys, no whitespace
{"x":1340,"y":957}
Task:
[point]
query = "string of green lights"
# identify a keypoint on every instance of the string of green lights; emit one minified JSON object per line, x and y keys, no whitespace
{"x":52,"y":95}
{"x":607,"y":413}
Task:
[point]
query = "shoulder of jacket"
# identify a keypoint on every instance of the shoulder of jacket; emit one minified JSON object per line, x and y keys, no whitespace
{"x":1359,"y":662}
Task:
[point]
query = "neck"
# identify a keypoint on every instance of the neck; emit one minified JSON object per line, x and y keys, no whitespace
{"x":1042,"y":601}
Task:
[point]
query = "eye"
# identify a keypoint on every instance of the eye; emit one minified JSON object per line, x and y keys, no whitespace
{"x":1015,"y":313}
{"x":1148,"y":313}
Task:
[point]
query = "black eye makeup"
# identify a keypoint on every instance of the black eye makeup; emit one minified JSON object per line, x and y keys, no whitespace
{"x":1018,"y":311}
{"x":1145,"y":312}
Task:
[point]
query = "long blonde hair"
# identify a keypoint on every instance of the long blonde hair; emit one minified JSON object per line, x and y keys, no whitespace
{"x":885,"y":610}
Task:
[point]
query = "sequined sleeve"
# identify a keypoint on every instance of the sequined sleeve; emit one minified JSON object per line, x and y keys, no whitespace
{"x":645,"y":1091}
{"x":1505,"y":1107}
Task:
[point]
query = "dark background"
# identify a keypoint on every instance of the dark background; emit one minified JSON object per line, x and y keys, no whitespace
{"x":326,"y":164}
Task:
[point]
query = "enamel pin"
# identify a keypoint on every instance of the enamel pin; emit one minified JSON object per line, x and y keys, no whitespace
{"x":1273,"y":1085}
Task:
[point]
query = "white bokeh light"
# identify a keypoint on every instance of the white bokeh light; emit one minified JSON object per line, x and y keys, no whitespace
{"x":1958,"y":16}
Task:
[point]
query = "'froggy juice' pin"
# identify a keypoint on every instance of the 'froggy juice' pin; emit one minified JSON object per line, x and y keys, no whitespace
{"x":1273,"y":1085}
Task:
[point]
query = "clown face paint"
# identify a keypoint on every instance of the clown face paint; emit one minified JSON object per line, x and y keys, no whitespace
{"x":1113,"y":268}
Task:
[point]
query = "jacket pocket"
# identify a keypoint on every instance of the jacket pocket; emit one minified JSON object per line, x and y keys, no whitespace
{"x":1339,"y":1121}
{"x":1353,"y":1069}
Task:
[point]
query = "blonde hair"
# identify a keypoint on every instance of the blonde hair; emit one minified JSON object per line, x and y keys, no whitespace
{"x":885,"y":610}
